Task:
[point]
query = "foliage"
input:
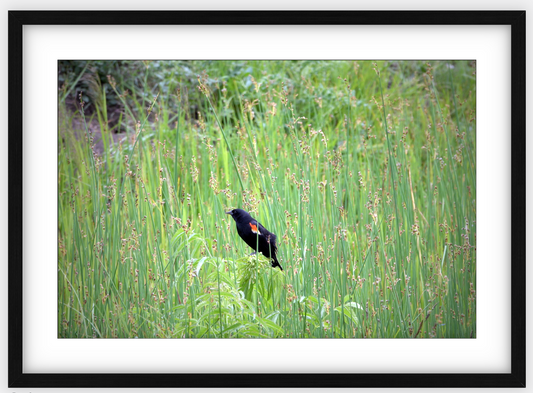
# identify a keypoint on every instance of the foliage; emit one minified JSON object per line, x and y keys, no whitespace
{"x":365,"y":171}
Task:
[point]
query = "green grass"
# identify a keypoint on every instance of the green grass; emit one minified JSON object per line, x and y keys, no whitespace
{"x":365,"y":171}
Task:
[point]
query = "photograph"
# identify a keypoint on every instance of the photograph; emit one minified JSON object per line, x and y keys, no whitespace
{"x":273,"y":199}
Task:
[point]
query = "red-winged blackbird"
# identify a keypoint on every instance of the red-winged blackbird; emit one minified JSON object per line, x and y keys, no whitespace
{"x":255,"y":235}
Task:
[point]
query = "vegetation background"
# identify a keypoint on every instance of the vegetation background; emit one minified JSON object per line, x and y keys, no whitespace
{"x":366,"y":171}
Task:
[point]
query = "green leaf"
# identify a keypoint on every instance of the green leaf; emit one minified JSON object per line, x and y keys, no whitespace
{"x":271,"y":325}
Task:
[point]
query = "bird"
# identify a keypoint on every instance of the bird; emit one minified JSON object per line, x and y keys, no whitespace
{"x":255,"y":235}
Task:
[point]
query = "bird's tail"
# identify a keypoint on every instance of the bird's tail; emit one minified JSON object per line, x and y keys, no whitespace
{"x":275,"y":262}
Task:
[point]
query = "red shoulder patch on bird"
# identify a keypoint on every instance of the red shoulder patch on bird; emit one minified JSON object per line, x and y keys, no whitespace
{"x":254,"y":228}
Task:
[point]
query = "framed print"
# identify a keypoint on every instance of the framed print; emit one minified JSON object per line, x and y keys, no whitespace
{"x":367,"y":160}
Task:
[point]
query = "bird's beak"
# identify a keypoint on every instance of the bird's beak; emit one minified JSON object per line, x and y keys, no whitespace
{"x":230,"y":213}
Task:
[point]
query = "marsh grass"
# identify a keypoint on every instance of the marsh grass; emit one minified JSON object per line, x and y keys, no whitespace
{"x":365,"y":171}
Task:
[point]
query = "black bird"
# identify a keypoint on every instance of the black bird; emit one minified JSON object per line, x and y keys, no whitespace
{"x":255,"y":235}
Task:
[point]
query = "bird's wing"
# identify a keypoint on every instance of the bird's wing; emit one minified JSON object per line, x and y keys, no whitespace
{"x":266,"y":233}
{"x":256,"y":227}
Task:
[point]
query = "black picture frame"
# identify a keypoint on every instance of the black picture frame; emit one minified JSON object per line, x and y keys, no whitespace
{"x":17,"y":378}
